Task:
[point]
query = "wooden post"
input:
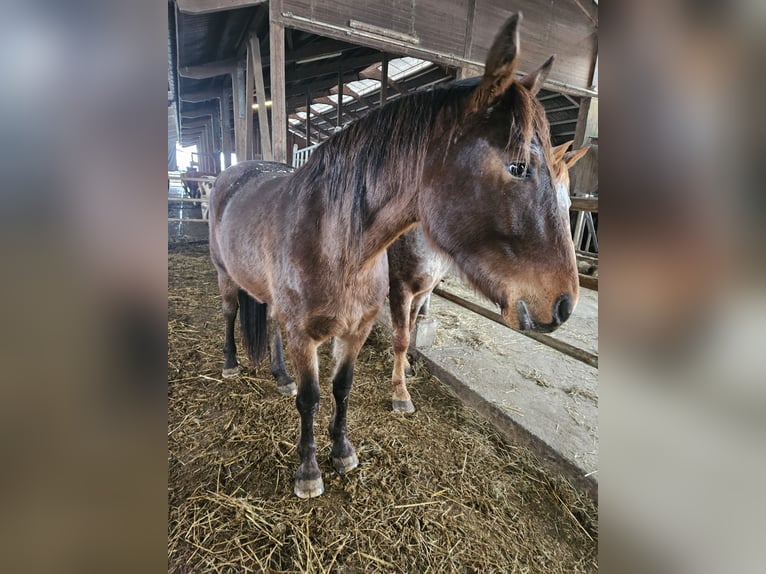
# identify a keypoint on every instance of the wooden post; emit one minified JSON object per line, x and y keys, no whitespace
{"x":277,"y":70}
{"x":308,"y":118}
{"x":384,"y":81}
{"x":339,"y":122}
{"x":260,"y":97}
{"x":225,"y":127}
{"x":240,"y":128}
{"x":249,"y":90}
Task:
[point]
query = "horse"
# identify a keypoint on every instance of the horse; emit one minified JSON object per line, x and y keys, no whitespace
{"x":416,"y":267}
{"x":307,"y":250}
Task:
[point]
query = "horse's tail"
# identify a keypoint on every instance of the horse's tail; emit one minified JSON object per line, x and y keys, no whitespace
{"x":253,"y":321}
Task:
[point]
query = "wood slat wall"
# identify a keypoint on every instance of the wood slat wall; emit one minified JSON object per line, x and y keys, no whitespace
{"x":440,"y":26}
{"x":557,"y":27}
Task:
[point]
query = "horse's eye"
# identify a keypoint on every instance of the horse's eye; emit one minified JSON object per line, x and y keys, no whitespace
{"x":520,"y":170}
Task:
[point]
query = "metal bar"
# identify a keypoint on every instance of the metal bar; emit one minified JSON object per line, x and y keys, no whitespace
{"x":185,"y":220}
{"x":576,"y":353}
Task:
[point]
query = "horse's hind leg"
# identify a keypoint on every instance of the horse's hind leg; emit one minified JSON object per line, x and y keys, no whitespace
{"x":230,"y":305}
{"x":308,"y":478}
{"x":285,"y":383}
{"x":401,"y":303}
{"x":345,"y":350}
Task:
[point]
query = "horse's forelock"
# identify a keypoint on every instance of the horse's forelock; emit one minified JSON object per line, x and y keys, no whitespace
{"x":528,"y":121}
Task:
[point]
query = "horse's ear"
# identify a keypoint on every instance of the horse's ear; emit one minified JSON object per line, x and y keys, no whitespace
{"x":560,"y":150}
{"x":499,"y":67}
{"x":535,"y":80}
{"x":572,"y":157}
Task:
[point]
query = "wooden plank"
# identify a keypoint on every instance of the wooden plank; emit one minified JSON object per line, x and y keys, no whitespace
{"x":277,"y":72}
{"x":339,"y":94}
{"x":249,"y":90}
{"x":384,"y":80}
{"x":208,"y":70}
{"x":561,"y":346}
{"x":260,"y":96}
{"x":584,"y":204}
{"x":200,"y":96}
{"x":207,"y":6}
{"x":240,"y":131}
{"x":440,"y":26}
{"x":589,"y":282}
{"x":226,"y":127}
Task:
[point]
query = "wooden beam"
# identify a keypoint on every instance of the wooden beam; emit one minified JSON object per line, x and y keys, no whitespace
{"x":200,"y":123}
{"x":249,"y":89}
{"x":240,"y":100}
{"x":340,"y":32}
{"x":374,"y":74}
{"x":308,"y":116}
{"x":568,"y":349}
{"x":384,"y":80}
{"x":226,"y":127}
{"x":207,"y":6}
{"x":191,"y":115}
{"x":277,"y":72}
{"x":329,"y":102}
{"x":260,"y":97}
{"x":589,"y":10}
{"x":584,"y":204}
{"x":339,"y":103}
{"x":316,"y":69}
{"x":208,"y":70}
{"x":349,"y":92}
{"x":200,"y":96}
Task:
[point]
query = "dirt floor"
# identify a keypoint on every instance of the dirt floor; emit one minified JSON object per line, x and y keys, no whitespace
{"x":436,"y":491}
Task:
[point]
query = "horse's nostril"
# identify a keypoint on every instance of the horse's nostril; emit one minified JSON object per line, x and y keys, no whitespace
{"x":562,"y":308}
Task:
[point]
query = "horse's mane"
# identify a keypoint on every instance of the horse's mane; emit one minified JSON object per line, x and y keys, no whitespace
{"x":386,"y":150}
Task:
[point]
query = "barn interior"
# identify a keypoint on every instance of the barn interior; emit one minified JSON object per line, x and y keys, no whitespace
{"x":497,"y":470}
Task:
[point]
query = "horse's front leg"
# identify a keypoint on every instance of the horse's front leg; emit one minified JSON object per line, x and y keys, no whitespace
{"x":345,"y":350}
{"x":308,"y":478}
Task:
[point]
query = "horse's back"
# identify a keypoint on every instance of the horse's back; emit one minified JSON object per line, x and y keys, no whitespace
{"x":228,"y":184}
{"x":235,"y":178}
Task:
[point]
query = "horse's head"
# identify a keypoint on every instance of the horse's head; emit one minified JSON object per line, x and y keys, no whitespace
{"x":491,"y":198}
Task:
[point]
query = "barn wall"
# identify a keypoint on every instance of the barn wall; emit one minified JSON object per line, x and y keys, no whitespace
{"x":459,"y":32}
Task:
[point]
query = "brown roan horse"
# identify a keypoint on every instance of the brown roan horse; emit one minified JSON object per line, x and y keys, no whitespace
{"x":415,"y":268}
{"x":308,"y":249}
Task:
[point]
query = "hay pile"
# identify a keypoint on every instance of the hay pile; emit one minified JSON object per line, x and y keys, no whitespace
{"x":437,"y":491}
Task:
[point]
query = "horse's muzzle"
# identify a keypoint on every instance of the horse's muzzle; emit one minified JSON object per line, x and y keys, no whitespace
{"x":562,"y":309}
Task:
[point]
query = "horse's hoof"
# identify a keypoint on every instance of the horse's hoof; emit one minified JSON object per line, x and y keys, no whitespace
{"x":231,"y":372}
{"x":309,"y":488}
{"x":345,"y":464}
{"x":288,"y":390}
{"x":409,"y":371}
{"x":403,"y":406}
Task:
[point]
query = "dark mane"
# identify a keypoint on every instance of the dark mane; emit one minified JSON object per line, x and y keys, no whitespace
{"x":357,"y":171}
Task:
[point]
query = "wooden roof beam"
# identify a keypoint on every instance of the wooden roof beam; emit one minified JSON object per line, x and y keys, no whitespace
{"x":208,"y":70}
{"x":200,"y":96}
{"x":349,"y":92}
{"x":372,"y":73}
{"x":207,"y":6}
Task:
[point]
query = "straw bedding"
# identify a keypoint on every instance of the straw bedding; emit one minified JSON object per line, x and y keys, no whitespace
{"x":437,"y":491}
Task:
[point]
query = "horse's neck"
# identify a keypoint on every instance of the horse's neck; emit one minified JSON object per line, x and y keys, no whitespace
{"x":393,"y":212}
